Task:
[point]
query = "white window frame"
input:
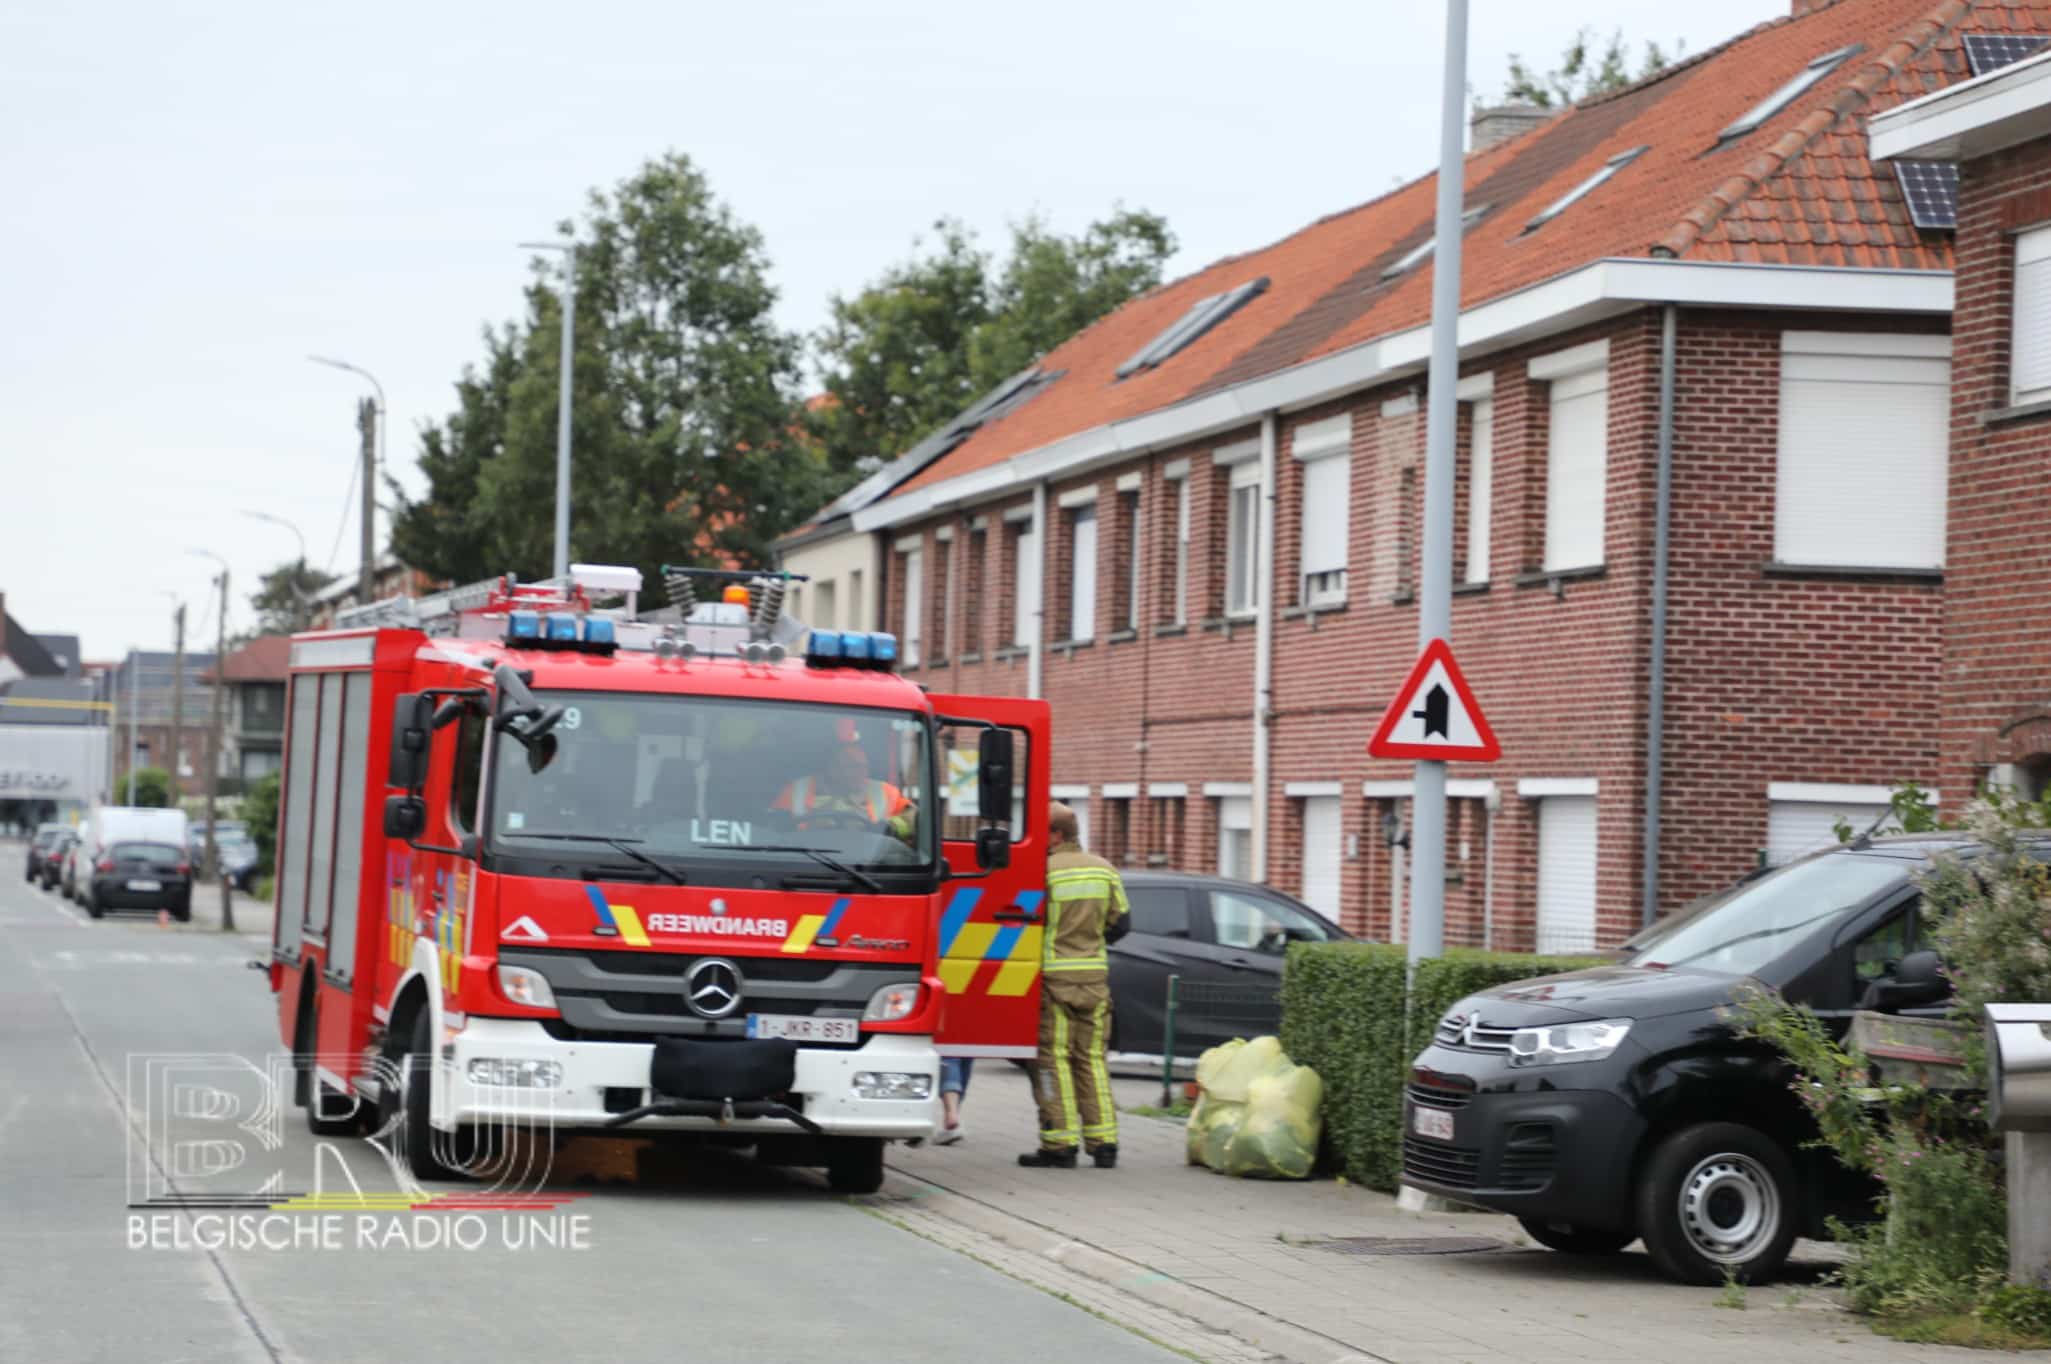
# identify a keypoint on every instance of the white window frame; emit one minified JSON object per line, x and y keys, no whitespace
{"x":1242,"y":528}
{"x":1082,"y":573}
{"x":1577,"y":374}
{"x":1324,"y":446}
{"x":912,"y":638}
{"x":1025,"y":585}
{"x":1834,"y":507}
{"x":1180,"y":483}
{"x":2029,"y":368}
{"x":1480,"y":486}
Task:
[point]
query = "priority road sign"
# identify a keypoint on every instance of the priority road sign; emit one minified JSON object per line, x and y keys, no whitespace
{"x":1435,"y":715}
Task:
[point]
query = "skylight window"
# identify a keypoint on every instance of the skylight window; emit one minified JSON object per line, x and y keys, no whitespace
{"x":1787,"y":94}
{"x":1582,"y":190}
{"x":1206,"y":314}
{"x":1418,"y":255}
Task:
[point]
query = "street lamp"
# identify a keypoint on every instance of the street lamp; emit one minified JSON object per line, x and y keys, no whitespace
{"x":562,"y":427}
{"x":298,"y":593}
{"x":373,"y":459}
{"x":213,"y":852}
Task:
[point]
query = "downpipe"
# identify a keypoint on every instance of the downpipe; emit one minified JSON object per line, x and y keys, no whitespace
{"x":1263,"y":647}
{"x":1655,"y":711}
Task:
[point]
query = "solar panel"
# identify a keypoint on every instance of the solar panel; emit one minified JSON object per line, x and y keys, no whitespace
{"x":1992,"y":51}
{"x":1931,"y":187}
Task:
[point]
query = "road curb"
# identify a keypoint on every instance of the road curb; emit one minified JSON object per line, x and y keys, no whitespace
{"x":1283,"y":1339}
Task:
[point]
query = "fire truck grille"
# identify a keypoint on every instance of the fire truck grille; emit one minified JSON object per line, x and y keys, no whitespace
{"x":601,"y":1000}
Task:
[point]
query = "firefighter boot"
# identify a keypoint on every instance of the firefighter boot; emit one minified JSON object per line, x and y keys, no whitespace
{"x":1058,"y":1158}
{"x":1106,"y":1156}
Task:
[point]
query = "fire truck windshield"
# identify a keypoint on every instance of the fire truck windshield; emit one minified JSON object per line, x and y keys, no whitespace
{"x":723,"y":791}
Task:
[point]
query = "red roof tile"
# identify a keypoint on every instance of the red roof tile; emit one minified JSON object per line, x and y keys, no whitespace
{"x":267,"y":658}
{"x":1798,"y":189}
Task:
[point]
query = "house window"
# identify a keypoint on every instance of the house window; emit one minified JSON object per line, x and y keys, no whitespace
{"x":857,"y":604}
{"x":1025,"y":584}
{"x":1577,"y":454}
{"x":1082,"y":573}
{"x":1166,"y":848}
{"x":1129,"y":559}
{"x":1178,"y":551}
{"x":1864,"y":434}
{"x":2030,"y":356}
{"x":1235,"y":836}
{"x":913,"y":565}
{"x":1117,"y":847}
{"x":1566,"y":873}
{"x":1242,"y":540}
{"x":822,"y":617}
{"x":1325,"y":451}
{"x":1322,"y":860}
{"x":1480,"y":487}
{"x":1787,"y":94}
{"x":943,"y":599}
{"x":972,"y":592}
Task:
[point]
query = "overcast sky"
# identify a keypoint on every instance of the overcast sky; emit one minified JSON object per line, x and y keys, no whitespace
{"x":200,"y":193}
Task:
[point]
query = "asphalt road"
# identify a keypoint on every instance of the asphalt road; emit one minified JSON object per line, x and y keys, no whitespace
{"x":131,"y":1058}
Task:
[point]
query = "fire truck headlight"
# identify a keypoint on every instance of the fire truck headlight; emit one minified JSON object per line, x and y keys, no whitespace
{"x":512,"y":1073}
{"x":893,"y":1002}
{"x":524,"y":986}
{"x":893,"y":1084}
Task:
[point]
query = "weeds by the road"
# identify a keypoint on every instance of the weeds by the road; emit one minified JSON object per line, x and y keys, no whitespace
{"x":1175,"y":1112}
{"x":1732,"y":1294}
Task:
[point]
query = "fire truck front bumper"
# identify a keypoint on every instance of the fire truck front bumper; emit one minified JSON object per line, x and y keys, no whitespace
{"x":502,"y":1070}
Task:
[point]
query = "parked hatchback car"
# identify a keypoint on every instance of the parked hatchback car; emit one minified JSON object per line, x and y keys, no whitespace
{"x":1211,"y":932}
{"x":136,"y":875}
{"x":39,"y":846}
{"x":1609,"y":1105}
{"x":51,"y":869}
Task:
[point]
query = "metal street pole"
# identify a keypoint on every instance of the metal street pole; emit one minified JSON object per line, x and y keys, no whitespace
{"x":299,"y":615}
{"x":134,"y":704}
{"x":212,"y":853}
{"x":1435,"y":586}
{"x":562,"y":420}
{"x":373,"y":457}
{"x":177,"y":700}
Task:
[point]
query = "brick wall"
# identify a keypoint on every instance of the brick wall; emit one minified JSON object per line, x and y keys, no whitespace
{"x":1997,"y":623}
{"x":1772,"y":678}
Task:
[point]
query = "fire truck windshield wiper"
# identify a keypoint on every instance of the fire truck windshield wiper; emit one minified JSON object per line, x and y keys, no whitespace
{"x":624,"y":845}
{"x":860,"y":878}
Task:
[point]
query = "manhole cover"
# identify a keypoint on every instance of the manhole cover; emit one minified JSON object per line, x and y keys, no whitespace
{"x":1410,"y":1245}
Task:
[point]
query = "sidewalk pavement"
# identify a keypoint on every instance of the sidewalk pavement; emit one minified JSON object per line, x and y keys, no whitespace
{"x":1246,"y":1256}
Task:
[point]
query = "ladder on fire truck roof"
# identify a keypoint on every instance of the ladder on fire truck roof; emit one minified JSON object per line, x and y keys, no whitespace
{"x":421,"y":613}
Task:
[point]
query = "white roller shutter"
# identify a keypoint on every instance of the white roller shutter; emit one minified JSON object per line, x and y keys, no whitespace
{"x":914,"y":604}
{"x":1577,"y":470}
{"x":1325,"y":493}
{"x":2030,"y":358}
{"x":1025,"y":592}
{"x":1321,"y":850}
{"x":1795,"y":827}
{"x":1566,"y":874}
{"x":1082,"y":577}
{"x":1235,"y":836}
{"x":1864,"y":436}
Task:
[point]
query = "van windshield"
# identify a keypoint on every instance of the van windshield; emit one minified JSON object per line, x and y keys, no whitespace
{"x":1762,"y":920}
{"x":723,"y":786}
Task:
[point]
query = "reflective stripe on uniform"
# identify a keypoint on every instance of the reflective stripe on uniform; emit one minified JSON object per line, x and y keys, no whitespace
{"x":1094,"y":884}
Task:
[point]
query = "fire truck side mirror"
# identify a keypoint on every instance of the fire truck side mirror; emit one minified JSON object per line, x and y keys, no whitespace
{"x":405,"y":817}
{"x":994,"y":777}
{"x":412,"y":724}
{"x":993,"y":847}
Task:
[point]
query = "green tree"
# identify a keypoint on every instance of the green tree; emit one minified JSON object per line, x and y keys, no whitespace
{"x":260,"y":811}
{"x":152,"y":788}
{"x":283,"y":597}
{"x":683,"y":434}
{"x":933,"y":333}
{"x":1584,"y":71}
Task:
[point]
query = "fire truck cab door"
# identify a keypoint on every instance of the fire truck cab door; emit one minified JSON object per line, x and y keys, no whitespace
{"x":990,"y":925}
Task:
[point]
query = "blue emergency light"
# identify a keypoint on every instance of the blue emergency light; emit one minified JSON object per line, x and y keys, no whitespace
{"x":854,"y":647}
{"x":562,"y":627}
{"x":598,"y":631}
{"x":523,"y":625}
{"x":824,"y":646}
{"x":883,"y":649}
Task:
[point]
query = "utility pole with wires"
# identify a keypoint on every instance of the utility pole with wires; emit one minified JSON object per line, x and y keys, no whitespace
{"x":177,"y":700}
{"x":366,"y":423}
{"x":214,"y":746}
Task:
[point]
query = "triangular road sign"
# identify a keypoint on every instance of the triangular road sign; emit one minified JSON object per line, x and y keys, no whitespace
{"x":1435,"y":716}
{"x":524,"y":929}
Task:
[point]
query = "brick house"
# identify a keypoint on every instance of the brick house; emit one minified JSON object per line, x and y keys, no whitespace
{"x":1992,"y":134}
{"x":1193,"y":527}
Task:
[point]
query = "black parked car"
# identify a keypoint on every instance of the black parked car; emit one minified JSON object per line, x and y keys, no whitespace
{"x":1209,"y":931}
{"x":1614,"y":1104}
{"x":52,"y":865}
{"x":39,"y":847}
{"x":140,"y":876}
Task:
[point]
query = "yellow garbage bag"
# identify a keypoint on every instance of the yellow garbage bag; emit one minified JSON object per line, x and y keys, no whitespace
{"x":1260,"y":1114}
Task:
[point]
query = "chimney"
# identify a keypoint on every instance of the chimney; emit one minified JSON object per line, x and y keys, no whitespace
{"x":1499,"y":123}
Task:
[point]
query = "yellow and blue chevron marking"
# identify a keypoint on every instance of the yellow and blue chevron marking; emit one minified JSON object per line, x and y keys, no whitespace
{"x":620,"y":918}
{"x":965,"y":946}
{"x":811,"y":927}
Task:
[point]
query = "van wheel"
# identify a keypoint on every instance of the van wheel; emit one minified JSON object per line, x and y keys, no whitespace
{"x":1718,"y":1202}
{"x":854,"y":1165}
{"x":1573,"y":1239}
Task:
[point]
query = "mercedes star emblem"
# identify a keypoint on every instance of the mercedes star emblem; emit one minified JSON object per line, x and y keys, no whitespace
{"x":712,"y":987}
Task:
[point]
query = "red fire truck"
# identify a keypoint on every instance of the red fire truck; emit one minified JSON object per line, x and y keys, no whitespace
{"x":544,"y":864}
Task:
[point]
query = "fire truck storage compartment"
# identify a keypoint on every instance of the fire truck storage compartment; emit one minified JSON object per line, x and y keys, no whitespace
{"x":321,"y":854}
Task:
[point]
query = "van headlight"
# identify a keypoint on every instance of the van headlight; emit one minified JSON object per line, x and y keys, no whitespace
{"x":893,"y":1002}
{"x":1561,"y":1043}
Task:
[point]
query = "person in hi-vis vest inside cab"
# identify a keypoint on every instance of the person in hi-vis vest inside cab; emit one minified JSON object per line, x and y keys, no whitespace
{"x":1086,"y":911}
{"x":844,"y":791}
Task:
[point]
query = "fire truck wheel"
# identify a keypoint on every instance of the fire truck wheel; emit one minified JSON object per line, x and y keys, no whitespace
{"x":854,"y":1165}
{"x":417,"y":1138}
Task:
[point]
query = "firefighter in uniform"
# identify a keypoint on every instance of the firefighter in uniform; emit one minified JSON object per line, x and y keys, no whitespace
{"x":1086,"y":910}
{"x":846,"y":790}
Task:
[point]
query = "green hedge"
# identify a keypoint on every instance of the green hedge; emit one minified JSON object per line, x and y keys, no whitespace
{"x":1345,"y":1015}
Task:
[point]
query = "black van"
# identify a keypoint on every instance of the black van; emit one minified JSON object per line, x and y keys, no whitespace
{"x":1615,"y":1104}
